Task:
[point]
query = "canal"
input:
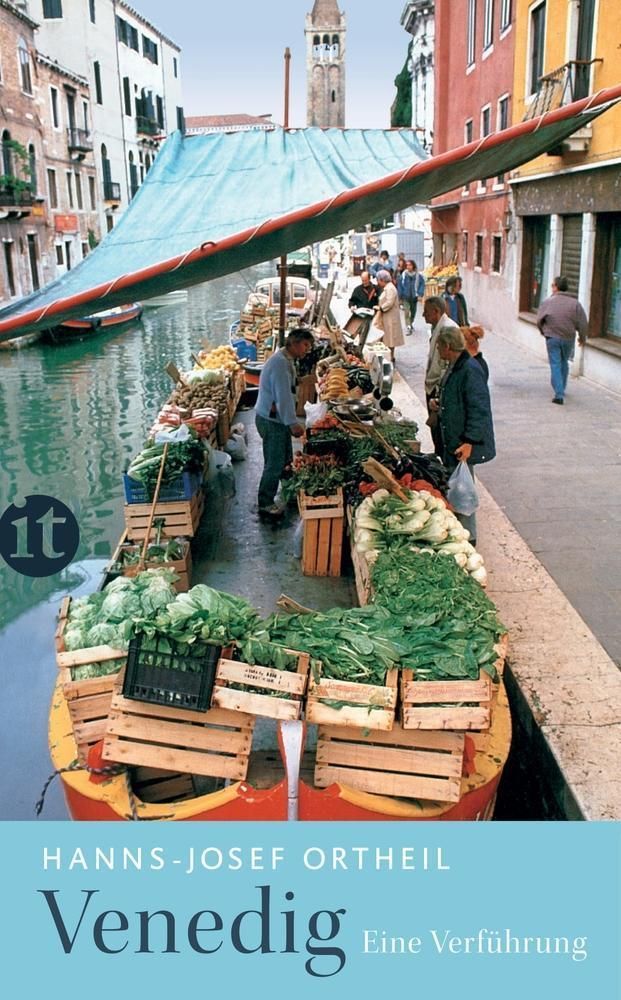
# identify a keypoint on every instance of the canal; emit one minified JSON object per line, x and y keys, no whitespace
{"x":71,"y":418}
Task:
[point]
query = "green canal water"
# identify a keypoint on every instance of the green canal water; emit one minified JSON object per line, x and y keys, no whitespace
{"x":71,"y":418}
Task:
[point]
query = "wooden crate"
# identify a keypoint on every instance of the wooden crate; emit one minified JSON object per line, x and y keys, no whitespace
{"x":88,"y":700}
{"x":181,"y":517}
{"x":215,"y":743}
{"x":223,"y":428}
{"x":450,"y":704}
{"x":373,"y":704}
{"x":322,"y":541}
{"x":362,"y":570}
{"x":411,"y":765}
{"x":307,"y":393}
{"x":152,"y":785}
{"x":292,"y":684}
{"x":182,"y":567}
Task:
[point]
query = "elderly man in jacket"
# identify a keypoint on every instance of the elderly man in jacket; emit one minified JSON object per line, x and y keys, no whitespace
{"x":559,"y":318}
{"x":434,"y":312}
{"x":465,"y":414}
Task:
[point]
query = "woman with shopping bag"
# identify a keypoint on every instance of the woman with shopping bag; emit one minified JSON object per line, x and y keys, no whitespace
{"x":465,"y":418}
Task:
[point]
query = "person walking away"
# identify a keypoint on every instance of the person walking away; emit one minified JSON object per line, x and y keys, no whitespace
{"x":559,"y":318}
{"x":455,"y":302}
{"x":465,"y":413}
{"x":473,"y":335}
{"x":276,"y":419}
{"x":365,"y":295}
{"x":388,"y":316}
{"x":435,"y":314}
{"x":411,"y":288}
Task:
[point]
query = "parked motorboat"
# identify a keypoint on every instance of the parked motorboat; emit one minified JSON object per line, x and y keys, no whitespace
{"x":117,"y":316}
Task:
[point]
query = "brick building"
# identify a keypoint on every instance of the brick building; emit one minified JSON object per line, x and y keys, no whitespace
{"x":473,"y":96}
{"x":23,"y":264}
{"x":325,"y":65}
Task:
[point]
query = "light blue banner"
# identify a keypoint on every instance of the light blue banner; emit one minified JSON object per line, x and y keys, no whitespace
{"x":479,"y":910}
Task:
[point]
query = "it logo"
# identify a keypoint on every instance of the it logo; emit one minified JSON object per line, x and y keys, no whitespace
{"x":40,"y":538}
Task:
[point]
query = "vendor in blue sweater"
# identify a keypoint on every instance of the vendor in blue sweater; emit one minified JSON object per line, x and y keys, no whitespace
{"x":276,"y":419}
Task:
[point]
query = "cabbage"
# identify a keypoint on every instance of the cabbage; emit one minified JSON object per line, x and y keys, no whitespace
{"x":74,"y":638}
{"x":102,"y":634}
{"x":119,"y":606}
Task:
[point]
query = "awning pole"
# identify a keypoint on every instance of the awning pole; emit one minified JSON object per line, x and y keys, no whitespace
{"x":282,"y":326}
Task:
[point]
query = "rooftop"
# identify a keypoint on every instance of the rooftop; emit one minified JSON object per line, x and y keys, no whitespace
{"x":223,"y":123}
{"x":325,"y":12}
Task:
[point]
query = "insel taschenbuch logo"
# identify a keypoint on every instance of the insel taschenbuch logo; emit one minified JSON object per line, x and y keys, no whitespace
{"x":39,"y":538}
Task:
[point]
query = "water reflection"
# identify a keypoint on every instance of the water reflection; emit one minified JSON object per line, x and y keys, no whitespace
{"x":73,"y":415}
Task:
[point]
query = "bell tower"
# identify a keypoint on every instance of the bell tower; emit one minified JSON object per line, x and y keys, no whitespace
{"x":325,"y":65}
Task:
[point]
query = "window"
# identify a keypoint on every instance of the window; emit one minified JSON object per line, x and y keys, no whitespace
{"x":471,"y":32}
{"x":51,"y":185}
{"x":488,"y":24}
{"x":55,"y":112}
{"x":7,"y":153}
{"x":78,"y":191}
{"x":180,"y":120}
{"x":59,"y":254}
{"x":70,"y":189}
{"x":133,"y":176}
{"x":159,"y":111}
{"x":464,"y":248}
{"x":505,"y":14}
{"x":85,"y":115}
{"x":149,"y":49}
{"x":8,"y":263}
{"x":537,"y":39}
{"x":496,"y":253}
{"x":478,"y":251}
{"x":97,"y":74}
{"x":84,"y":250}
{"x":109,"y":223}
{"x":468,"y":133}
{"x":127,"y":96}
{"x":34,"y":261}
{"x":175,"y":67}
{"x":91,"y":11}
{"x":32,"y":168}
{"x":52,"y":8}
{"x":486,"y":114}
{"x":68,"y":254}
{"x":133,"y":37}
{"x":503,"y":123}
{"x":91,"y":192}
{"x":24,"y":66}
{"x":121,"y":29}
{"x":535,"y":262}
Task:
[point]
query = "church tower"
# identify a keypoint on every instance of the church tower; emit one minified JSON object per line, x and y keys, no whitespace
{"x":325,"y":65}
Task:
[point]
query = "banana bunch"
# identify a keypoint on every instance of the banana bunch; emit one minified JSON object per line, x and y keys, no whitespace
{"x":219,"y":357}
{"x":334,"y":386}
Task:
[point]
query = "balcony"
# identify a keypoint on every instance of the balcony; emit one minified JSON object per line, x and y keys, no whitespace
{"x":112,"y":191}
{"x":569,"y":82}
{"x":147,"y":126}
{"x":15,"y":201}
{"x":79,"y":140}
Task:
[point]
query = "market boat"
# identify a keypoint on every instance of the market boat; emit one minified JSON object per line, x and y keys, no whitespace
{"x":92,"y":797}
{"x":103,"y":320}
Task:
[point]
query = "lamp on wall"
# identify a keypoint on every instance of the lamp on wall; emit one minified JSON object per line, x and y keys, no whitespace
{"x":507,"y":221}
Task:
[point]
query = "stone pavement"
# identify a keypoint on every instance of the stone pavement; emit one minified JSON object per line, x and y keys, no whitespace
{"x":552,"y":549}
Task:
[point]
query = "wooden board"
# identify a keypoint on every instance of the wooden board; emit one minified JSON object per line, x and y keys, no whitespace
{"x":223,"y":428}
{"x":215,"y":743}
{"x":373,"y":705}
{"x":400,"y":763}
{"x":322,"y":540}
{"x":181,"y":517}
{"x":287,"y":682}
{"x":445,"y":704}
{"x":182,"y":567}
{"x":152,"y":785}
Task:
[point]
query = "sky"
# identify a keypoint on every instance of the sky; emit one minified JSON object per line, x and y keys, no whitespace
{"x":232,"y":59}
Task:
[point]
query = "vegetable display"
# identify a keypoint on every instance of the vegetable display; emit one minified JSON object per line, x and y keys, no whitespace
{"x":182,"y":455}
{"x":384,"y":522}
{"x":316,"y":475}
{"x":203,"y":613}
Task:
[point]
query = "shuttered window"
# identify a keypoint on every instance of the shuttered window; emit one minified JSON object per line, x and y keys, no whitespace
{"x":572,"y":250}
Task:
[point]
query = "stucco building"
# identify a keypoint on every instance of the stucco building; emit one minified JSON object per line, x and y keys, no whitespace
{"x":418,"y":20}
{"x":325,"y":65}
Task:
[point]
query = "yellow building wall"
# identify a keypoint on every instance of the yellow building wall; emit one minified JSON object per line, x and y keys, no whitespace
{"x":606,"y":141}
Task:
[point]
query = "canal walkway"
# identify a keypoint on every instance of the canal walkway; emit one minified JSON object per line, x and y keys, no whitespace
{"x":549,"y":535}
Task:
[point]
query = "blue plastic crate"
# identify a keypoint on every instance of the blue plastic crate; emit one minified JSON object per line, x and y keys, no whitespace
{"x":183,"y":488}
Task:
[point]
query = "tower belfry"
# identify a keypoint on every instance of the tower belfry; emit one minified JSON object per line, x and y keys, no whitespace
{"x":325,"y":65}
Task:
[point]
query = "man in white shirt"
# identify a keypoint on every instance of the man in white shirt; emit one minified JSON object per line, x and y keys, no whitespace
{"x":435,"y":314}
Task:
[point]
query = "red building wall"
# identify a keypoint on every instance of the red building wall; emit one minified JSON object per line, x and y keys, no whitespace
{"x":461,"y":94}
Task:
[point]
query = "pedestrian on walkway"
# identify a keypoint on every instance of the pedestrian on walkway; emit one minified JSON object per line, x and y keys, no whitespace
{"x":465,"y":413}
{"x":411,"y":288}
{"x":473,"y":335}
{"x":388,"y":316}
{"x":435,"y":314}
{"x":276,"y":419}
{"x":559,"y":318}
{"x":364,"y":295}
{"x":455,"y":301}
